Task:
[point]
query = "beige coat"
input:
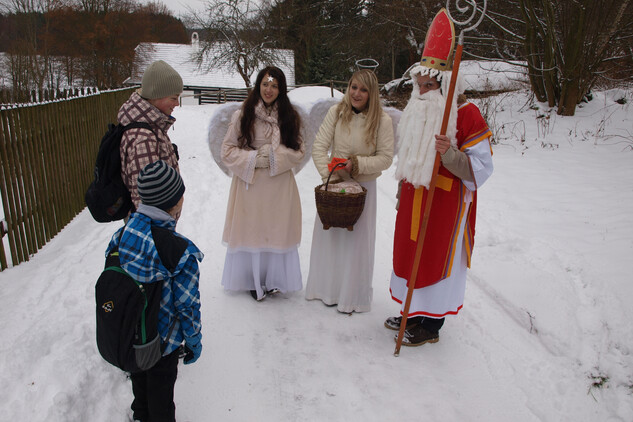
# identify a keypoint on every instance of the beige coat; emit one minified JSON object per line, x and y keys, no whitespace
{"x":264,"y":209}
{"x":371,"y":158}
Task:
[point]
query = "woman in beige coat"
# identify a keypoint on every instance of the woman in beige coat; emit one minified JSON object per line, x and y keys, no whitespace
{"x":263,"y":219}
{"x":357,"y":129}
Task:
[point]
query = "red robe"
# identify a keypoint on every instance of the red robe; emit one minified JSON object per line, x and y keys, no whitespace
{"x":441,"y":242}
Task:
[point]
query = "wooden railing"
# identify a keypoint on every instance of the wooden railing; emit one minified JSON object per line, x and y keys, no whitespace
{"x":47,"y":156}
{"x":222,"y":95}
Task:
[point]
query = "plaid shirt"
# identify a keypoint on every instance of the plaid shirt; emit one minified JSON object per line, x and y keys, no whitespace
{"x":180,"y":302}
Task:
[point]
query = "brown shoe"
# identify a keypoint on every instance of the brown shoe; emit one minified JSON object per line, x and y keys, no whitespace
{"x":417,"y":336}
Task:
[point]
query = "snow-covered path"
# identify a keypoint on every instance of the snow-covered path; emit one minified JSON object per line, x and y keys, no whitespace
{"x":546,"y":308}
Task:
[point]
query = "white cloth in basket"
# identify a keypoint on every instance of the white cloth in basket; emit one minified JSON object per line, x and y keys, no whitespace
{"x":347,"y":186}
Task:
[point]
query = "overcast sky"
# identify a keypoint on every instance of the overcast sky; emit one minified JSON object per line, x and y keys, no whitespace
{"x":179,"y":7}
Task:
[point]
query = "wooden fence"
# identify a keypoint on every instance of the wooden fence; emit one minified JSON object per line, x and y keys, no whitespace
{"x":47,"y":156}
{"x":218,"y":95}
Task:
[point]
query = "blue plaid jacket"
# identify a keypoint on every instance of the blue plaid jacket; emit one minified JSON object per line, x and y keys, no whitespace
{"x":180,"y":302}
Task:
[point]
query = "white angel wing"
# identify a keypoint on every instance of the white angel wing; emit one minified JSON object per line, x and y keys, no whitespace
{"x":304,"y":118}
{"x":310,"y":122}
{"x":218,"y":127}
{"x":395,"y":114}
{"x":312,"y":103}
{"x":317,"y":115}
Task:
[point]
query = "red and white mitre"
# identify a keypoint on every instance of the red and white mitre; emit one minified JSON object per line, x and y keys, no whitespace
{"x":437,"y":56}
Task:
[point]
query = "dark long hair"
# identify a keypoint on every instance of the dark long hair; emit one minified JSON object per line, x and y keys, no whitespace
{"x":289,"y":120}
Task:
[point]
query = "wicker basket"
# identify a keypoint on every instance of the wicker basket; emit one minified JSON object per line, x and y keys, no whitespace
{"x":338,"y":209}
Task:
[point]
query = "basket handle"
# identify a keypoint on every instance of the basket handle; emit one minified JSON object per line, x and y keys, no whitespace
{"x":332,"y":172}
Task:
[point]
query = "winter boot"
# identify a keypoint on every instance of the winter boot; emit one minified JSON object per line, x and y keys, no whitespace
{"x":254,"y":295}
{"x":418,"y":335}
{"x":393,"y":323}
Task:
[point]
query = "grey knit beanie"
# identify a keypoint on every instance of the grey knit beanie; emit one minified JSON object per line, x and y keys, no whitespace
{"x":160,"y":185}
{"x":160,"y":80}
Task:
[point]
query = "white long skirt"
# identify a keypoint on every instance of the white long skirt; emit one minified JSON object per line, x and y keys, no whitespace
{"x":342,"y":261}
{"x":262,"y":271}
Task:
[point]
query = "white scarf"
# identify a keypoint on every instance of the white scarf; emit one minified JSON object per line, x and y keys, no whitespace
{"x":421,"y":120}
{"x":270,"y":115}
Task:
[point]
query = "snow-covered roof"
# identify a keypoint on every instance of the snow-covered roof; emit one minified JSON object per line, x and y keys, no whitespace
{"x":182,"y":58}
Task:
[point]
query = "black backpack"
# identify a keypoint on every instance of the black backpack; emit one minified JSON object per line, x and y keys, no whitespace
{"x":107,"y":197}
{"x":127,"y":311}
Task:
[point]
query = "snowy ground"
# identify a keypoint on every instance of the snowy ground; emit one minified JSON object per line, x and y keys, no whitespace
{"x":544,"y":334}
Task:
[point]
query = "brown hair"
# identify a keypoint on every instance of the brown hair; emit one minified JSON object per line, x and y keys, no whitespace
{"x":288,"y":118}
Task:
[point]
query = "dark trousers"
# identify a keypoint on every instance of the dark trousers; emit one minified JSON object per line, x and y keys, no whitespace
{"x":432,"y":325}
{"x":154,"y":391}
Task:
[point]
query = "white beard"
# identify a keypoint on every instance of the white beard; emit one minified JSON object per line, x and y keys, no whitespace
{"x":421,"y":120}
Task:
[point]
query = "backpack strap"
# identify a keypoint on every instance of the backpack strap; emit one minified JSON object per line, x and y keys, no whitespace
{"x":139,"y":125}
{"x":169,"y":246}
{"x":143,"y":125}
{"x":112,"y":260}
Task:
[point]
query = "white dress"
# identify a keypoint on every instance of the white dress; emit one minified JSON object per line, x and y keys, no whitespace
{"x":342,"y":261}
{"x":262,"y":230}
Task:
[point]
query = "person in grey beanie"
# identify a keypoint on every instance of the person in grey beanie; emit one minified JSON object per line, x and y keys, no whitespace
{"x":151,"y":251}
{"x":153,"y":104}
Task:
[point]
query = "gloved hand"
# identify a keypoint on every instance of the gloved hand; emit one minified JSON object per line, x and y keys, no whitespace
{"x":262,"y":162}
{"x":263,"y":153}
{"x":193,"y":348}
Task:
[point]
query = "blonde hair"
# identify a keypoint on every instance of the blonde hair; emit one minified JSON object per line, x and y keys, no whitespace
{"x":373,"y":110}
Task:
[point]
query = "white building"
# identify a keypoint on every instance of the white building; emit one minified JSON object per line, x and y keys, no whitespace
{"x":214,"y":82}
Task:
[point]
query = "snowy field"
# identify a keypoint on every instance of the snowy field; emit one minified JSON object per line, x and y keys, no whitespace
{"x":544,"y":334}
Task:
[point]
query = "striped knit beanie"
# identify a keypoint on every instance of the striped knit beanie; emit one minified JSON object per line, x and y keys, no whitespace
{"x":160,"y":80}
{"x":160,"y":185}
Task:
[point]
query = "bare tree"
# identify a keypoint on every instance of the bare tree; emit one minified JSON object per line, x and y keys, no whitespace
{"x":28,"y":56}
{"x":235,"y":37}
{"x":106,"y":6}
{"x":406,"y":21}
{"x":56,"y":43}
{"x":568,"y":44}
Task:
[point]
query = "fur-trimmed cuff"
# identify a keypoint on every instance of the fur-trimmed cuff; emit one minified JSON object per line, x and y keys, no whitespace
{"x":354,"y":172}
